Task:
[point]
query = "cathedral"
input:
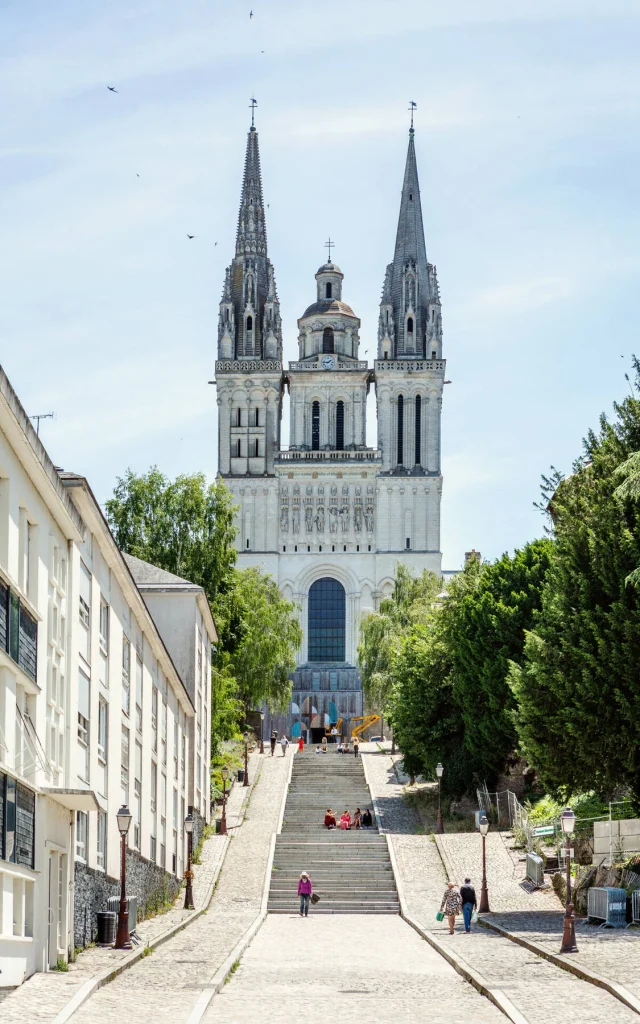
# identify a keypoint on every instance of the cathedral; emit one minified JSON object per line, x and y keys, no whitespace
{"x":326,"y":516}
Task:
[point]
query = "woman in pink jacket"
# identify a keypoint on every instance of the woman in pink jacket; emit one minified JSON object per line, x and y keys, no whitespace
{"x":305,"y":889}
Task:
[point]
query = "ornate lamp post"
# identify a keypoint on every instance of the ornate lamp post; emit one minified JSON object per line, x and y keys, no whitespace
{"x":262,"y":732}
{"x":484,"y":894}
{"x":568,"y":821}
{"x":123,"y":939}
{"x":223,"y":819}
{"x":246,"y":759}
{"x":440,"y":825}
{"x":188,"y":893}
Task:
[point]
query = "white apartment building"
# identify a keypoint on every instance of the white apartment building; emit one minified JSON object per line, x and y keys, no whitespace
{"x":93,"y":713}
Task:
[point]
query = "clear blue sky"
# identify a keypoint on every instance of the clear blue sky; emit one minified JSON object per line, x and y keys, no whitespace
{"x":528,"y":145}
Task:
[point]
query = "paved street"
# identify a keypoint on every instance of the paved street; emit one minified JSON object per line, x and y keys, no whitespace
{"x":540,"y":990}
{"x":366,"y":968}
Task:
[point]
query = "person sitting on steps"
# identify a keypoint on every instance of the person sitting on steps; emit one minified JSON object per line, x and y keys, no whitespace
{"x":345,"y":821}
{"x":330,"y":819}
{"x":357,"y":818}
{"x":367,"y":820}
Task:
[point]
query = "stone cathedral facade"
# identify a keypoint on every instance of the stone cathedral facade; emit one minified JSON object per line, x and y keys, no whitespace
{"x":328,"y":517}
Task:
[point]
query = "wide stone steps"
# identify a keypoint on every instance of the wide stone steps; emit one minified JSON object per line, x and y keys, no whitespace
{"x":350,"y":870}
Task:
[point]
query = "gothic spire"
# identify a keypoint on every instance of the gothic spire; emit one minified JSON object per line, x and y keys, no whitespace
{"x":407,"y":318}
{"x":252,"y":235}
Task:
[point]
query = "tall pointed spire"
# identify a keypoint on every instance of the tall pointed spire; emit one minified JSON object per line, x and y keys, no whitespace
{"x":410,"y":286}
{"x":249,"y":324}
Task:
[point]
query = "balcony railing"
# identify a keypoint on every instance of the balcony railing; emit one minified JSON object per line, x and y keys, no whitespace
{"x":405,"y":365}
{"x":369,"y":455}
{"x":339,"y":364}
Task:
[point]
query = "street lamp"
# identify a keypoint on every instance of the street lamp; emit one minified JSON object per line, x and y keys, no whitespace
{"x":439,"y":826}
{"x":123,"y":939}
{"x":568,"y":821}
{"x":223,"y":819}
{"x":484,"y":894}
{"x":246,"y":759}
{"x":262,"y":732}
{"x":188,"y":893}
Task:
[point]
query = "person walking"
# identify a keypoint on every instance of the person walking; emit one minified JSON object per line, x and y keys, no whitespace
{"x":301,"y":744}
{"x":274,"y":737}
{"x":284,"y":743}
{"x":356,"y":746}
{"x":451,"y":904}
{"x":305,"y":889}
{"x":469,"y":903}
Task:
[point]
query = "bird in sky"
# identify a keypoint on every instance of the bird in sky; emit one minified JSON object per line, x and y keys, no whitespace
{"x":137,"y":175}
{"x":190,"y":236}
{"x":251,"y":14}
{"x":111,"y":88}
{"x":215,"y":243}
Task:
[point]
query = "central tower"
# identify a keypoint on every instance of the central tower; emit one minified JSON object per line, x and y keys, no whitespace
{"x":328,"y":517}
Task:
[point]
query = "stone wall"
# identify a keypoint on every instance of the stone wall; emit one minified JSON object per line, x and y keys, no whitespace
{"x":147,"y":881}
{"x":199,"y":824}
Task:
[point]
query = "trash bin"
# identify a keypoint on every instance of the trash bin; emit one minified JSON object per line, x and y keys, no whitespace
{"x":107,"y":921}
{"x":240,"y":774}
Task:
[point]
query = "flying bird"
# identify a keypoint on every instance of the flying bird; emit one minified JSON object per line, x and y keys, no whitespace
{"x":190,"y":236}
{"x":251,"y":14}
{"x":111,"y":88}
{"x":215,"y":243}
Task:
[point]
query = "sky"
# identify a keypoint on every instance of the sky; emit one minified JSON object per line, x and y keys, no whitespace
{"x":528,"y":145}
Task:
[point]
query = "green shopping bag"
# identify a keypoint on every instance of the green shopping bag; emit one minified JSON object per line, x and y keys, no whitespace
{"x":440,"y":915}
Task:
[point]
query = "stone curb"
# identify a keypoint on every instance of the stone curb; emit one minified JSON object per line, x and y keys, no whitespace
{"x":494,"y":995}
{"x":286,"y":793}
{"x":92,"y":985}
{"x":221,"y":976}
{"x":444,"y":857}
{"x":561,"y":960}
{"x":374,"y":802}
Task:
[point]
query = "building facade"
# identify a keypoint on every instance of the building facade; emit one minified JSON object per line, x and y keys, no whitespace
{"x":94,"y":713}
{"x":327,"y":516}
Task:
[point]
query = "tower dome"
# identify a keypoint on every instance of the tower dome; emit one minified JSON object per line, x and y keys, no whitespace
{"x":328,"y":325}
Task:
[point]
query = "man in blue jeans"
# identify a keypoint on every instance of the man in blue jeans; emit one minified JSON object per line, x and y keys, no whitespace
{"x":469,"y":903}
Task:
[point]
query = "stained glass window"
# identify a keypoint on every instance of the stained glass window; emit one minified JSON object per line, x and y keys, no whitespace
{"x":327,"y":606}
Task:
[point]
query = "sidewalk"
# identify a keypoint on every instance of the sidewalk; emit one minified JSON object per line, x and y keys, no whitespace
{"x":538,"y":989}
{"x":44,"y":995}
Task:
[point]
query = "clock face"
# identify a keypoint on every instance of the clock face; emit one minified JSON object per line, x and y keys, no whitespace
{"x":328,"y":363}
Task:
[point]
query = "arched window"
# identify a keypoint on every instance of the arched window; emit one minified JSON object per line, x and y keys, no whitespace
{"x":400,"y":459}
{"x":327,"y":613}
{"x":327,"y":339}
{"x":249,"y":324}
{"x":315,"y":426}
{"x":418,"y":429}
{"x":328,"y":289}
{"x":340,"y":426}
{"x":411,"y":195}
{"x":257,"y":417}
{"x":410,"y":325}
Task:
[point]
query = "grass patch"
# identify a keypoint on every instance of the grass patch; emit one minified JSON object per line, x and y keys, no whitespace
{"x":232,"y":971}
{"x":61,"y":966}
{"x":147,"y":951}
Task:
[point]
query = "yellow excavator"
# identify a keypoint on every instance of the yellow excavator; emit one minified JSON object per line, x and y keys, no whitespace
{"x":366,"y":721}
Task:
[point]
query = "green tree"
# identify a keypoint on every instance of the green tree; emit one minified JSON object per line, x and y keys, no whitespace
{"x":578,"y":686}
{"x":487,"y":611}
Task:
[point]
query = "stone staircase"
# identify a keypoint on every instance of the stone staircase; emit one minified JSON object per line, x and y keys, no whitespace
{"x":350,"y":871}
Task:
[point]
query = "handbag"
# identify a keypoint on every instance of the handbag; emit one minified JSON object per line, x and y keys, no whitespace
{"x":315,"y":898}
{"x":474,"y":917}
{"x":440,"y":915}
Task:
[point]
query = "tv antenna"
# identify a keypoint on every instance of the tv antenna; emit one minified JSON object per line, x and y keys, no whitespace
{"x":42,"y":416}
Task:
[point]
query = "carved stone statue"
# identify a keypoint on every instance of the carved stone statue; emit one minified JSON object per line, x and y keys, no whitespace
{"x":296,"y":520}
{"x":320,"y":519}
{"x":357,"y":518}
{"x":344,"y":515}
{"x":308,"y":518}
{"x":334,"y":489}
{"x":345,"y":488}
{"x":368,"y":518}
{"x":284,"y":518}
{"x":333,"y":518}
{"x":309,"y":489}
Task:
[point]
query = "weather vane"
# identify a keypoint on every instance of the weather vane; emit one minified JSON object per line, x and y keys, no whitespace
{"x":412,"y":106}
{"x":253,"y":103}
{"x":329,"y":245}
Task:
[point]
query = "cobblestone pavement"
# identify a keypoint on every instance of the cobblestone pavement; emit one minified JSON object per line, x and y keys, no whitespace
{"x":45,"y":994}
{"x":165,"y":985}
{"x":611,"y":952}
{"x":367,"y":967}
{"x":540,"y":990}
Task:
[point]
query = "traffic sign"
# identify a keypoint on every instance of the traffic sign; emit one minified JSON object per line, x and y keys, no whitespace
{"x":543,"y":830}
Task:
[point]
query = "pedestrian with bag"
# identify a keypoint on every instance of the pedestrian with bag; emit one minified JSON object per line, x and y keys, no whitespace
{"x":274,"y":737}
{"x":469,"y":903}
{"x":305,"y":889}
{"x":450,"y":905}
{"x":284,"y":743}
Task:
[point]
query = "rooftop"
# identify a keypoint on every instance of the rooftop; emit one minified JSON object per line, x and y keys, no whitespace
{"x":328,"y":306}
{"x":147,"y":575}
